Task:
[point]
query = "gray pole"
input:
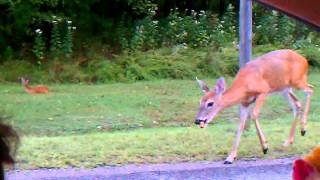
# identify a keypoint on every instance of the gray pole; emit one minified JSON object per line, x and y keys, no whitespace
{"x":245,"y":31}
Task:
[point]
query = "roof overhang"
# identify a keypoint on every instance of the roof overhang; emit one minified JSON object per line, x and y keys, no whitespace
{"x":307,"y":11}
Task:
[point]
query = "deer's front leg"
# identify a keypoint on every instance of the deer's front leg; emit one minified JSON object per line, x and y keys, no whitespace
{"x":255,"y":114}
{"x":243,"y":117}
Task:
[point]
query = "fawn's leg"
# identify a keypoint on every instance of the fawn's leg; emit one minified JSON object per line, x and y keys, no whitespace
{"x":243,"y":111}
{"x":295,"y":106}
{"x":255,"y":114}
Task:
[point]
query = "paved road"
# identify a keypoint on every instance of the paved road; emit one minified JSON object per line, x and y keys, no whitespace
{"x":279,"y":169}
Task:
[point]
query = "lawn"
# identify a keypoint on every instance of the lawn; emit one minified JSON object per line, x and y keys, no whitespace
{"x":145,"y":122}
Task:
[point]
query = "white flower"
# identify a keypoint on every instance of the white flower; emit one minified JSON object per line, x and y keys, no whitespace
{"x":274,"y":12}
{"x":74,"y":28}
{"x":69,"y":22}
{"x":172,"y":23}
{"x":153,"y":12}
{"x":38,"y":31}
{"x":185,"y":33}
{"x":202,"y":11}
{"x":155,"y":22}
{"x":222,"y":22}
{"x":54,"y":22}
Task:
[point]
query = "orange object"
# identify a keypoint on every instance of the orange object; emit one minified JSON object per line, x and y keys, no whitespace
{"x":309,"y":167}
{"x":34,"y":90}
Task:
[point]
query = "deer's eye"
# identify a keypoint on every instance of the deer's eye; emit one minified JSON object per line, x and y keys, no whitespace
{"x":210,"y":104}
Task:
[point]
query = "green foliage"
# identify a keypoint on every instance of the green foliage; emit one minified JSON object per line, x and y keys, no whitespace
{"x":229,"y":64}
{"x":176,"y":29}
{"x":312,"y":54}
{"x":229,"y":24}
{"x":55,"y":39}
{"x":39,"y":45}
{"x":67,"y":42}
{"x":154,"y":65}
{"x":13,"y":70}
{"x":103,"y":70}
{"x":271,"y":27}
{"x":286,"y":30}
{"x":136,"y":39}
{"x":145,"y":35}
{"x":8,"y":54}
{"x":178,"y":62}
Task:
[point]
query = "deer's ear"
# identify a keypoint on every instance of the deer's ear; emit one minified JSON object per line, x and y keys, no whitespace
{"x":202,"y":86}
{"x":220,"y":86}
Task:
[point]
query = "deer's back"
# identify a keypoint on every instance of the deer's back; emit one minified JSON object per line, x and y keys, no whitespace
{"x":275,"y":71}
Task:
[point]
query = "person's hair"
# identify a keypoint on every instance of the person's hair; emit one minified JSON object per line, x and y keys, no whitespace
{"x":8,"y":144}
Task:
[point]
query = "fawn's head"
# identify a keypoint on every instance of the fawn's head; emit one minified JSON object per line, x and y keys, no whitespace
{"x":209,"y":106}
{"x":24,"y":81}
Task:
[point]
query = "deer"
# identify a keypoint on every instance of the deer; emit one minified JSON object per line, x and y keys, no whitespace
{"x":33,"y":90}
{"x":277,"y":71}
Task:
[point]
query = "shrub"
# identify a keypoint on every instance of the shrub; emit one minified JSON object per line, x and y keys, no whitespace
{"x":103,"y":71}
{"x":14,"y":70}
{"x":65,"y":72}
{"x":312,"y":54}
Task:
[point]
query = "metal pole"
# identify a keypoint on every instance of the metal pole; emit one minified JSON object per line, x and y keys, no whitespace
{"x":245,"y":31}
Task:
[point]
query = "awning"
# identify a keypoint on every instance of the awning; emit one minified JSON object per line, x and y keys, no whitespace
{"x":307,"y":11}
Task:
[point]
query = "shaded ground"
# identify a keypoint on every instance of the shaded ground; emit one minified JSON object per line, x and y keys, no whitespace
{"x":278,"y":169}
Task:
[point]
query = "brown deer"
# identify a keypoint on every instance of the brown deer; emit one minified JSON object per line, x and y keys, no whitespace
{"x":276,"y":71}
{"x":33,"y":90}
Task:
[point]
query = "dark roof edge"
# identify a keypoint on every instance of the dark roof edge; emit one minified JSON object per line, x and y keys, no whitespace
{"x":304,"y":20}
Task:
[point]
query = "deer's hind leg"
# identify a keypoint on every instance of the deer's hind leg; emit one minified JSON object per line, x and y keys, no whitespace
{"x":307,"y":88}
{"x":295,"y":106}
{"x":303,"y":122}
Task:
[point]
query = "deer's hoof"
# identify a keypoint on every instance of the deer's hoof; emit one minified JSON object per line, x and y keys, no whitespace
{"x":265,"y":150}
{"x":227,"y":162}
{"x":303,"y":132}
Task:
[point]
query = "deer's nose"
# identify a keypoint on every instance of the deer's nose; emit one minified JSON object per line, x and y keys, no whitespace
{"x":198,"y":121}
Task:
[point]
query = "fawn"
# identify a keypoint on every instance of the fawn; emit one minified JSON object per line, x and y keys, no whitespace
{"x":33,"y":90}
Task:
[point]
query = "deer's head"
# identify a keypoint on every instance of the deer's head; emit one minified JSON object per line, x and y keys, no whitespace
{"x":24,"y":81}
{"x":209,"y":102}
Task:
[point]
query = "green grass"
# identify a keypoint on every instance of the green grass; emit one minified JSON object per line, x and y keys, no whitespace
{"x":77,"y":109}
{"x":160,"y":145}
{"x":78,"y":125}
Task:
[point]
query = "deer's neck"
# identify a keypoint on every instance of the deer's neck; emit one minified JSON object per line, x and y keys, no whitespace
{"x":232,"y":96}
{"x":26,"y":86}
